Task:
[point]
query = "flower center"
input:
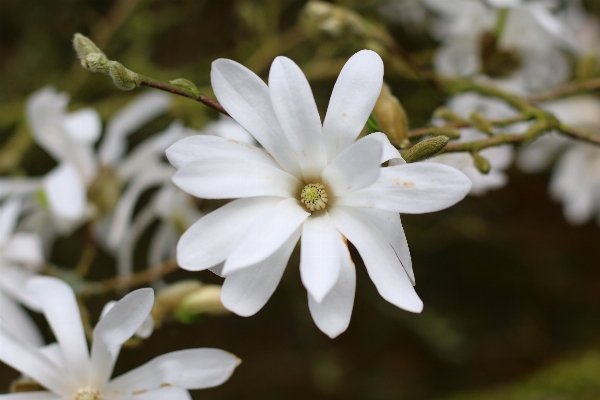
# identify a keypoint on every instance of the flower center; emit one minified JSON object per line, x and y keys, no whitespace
{"x":88,"y":393}
{"x":314,"y":196}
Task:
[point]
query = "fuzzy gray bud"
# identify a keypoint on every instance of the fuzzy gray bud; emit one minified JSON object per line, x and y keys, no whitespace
{"x":123,"y":78}
{"x":425,"y":149}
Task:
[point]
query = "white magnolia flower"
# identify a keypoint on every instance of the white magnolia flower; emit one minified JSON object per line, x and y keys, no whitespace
{"x":69,"y":371}
{"x":531,"y":31}
{"x":312,"y":181}
{"x":20,"y":255}
{"x":576,"y":175}
{"x":500,"y":157}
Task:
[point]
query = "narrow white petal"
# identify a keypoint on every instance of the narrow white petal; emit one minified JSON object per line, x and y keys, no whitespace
{"x":222,"y":178}
{"x":25,"y":248}
{"x":83,"y":126}
{"x":412,"y":188}
{"x":18,"y":187}
{"x":332,"y":314}
{"x":298,"y":116}
{"x":197,"y":147}
{"x":9,"y":215}
{"x":247,"y":290}
{"x":66,"y":192}
{"x":29,"y":360}
{"x":13,"y":280}
{"x":389,"y":224}
{"x":137,"y":113}
{"x":59,"y":305}
{"x":354,"y":168}
{"x":40,"y":395}
{"x":119,"y":324}
{"x":267,"y":233}
{"x":354,"y":95}
{"x":189,"y":369}
{"x":246,"y":98}
{"x":320,"y":256}
{"x":228,"y":128}
{"x":19,"y":321}
{"x":213,"y":237}
{"x":382,"y":263}
{"x":389,"y":151}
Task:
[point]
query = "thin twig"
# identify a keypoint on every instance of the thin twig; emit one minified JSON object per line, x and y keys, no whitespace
{"x":567,"y":89}
{"x":428,"y":130}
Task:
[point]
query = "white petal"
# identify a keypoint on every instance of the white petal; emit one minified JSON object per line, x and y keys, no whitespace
{"x":389,"y":224}
{"x":12,"y":282}
{"x":247,"y":290}
{"x":9,"y":215}
{"x":354,"y":168}
{"x":228,"y":128}
{"x":211,"y":239}
{"x":298,"y":116}
{"x":25,"y":248}
{"x":382,"y":264}
{"x":65,"y":191}
{"x":389,"y":151}
{"x":137,"y":113}
{"x":83,"y":125}
{"x":246,"y":98}
{"x":332,"y":315}
{"x":18,"y":187}
{"x":268,"y":232}
{"x":320,"y":256}
{"x":29,"y":360}
{"x":412,"y":188}
{"x":39,"y":395}
{"x":197,"y":147}
{"x":354,"y":95}
{"x":164,"y":393}
{"x":222,"y":178}
{"x":189,"y":369}
{"x":118,"y":325}
{"x":58,"y":302}
{"x":19,"y":321}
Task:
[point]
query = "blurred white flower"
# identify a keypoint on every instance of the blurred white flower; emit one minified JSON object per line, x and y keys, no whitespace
{"x":500,"y":157}
{"x":526,"y":57}
{"x":576,"y":175}
{"x":68,"y":370}
{"x":20,"y":255}
{"x":311,"y":181}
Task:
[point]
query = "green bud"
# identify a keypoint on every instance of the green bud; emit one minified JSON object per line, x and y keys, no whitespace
{"x":452,"y":133}
{"x":185,"y":84}
{"x":587,"y":66}
{"x":481,"y":163}
{"x":95,"y":62}
{"x":204,"y":300}
{"x":391,"y":117}
{"x":123,"y":78}
{"x":84,"y":46}
{"x":425,"y":149}
{"x":447,"y":115}
{"x":480,"y":122}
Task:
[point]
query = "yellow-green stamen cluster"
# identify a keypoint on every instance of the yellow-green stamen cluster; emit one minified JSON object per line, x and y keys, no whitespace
{"x":88,"y":393}
{"x":314,"y":196}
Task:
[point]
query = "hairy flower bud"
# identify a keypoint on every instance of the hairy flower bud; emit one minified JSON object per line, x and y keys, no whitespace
{"x":447,"y":115}
{"x":204,"y":300}
{"x":481,"y":163}
{"x":169,"y":298}
{"x":84,"y":46}
{"x":123,"y":78}
{"x":425,"y":149}
{"x":480,"y":122}
{"x":391,"y":117}
{"x":185,"y":84}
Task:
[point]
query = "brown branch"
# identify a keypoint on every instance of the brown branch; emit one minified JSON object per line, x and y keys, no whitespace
{"x":567,"y":89}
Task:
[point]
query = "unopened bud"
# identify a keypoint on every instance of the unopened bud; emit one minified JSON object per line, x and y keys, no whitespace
{"x":425,"y":149}
{"x":587,"y":66}
{"x":105,"y":190}
{"x":481,"y":163}
{"x":123,"y":78}
{"x":319,"y":18}
{"x":204,"y":300}
{"x":185,"y":84}
{"x":95,"y":62}
{"x":169,"y":298}
{"x":480,"y":122}
{"x":447,"y":115}
{"x":391,"y":117}
{"x":451,"y":133}
{"x":84,"y":46}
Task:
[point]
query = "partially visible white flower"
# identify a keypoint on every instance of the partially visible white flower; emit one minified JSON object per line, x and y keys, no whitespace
{"x":411,"y":14}
{"x":20,"y":255}
{"x":312,"y":182}
{"x":68,"y":370}
{"x":500,"y":157}
{"x":531,"y":31}
{"x":576,"y":175}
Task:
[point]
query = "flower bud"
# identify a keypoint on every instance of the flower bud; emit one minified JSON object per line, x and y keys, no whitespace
{"x":204,"y":300}
{"x":169,"y":298}
{"x":391,"y":117}
{"x":481,"y":163}
{"x":319,"y":19}
{"x":425,"y":149}
{"x":452,"y":133}
{"x":480,"y":122}
{"x":123,"y":78}
{"x":587,"y":66}
{"x":185,"y":84}
{"x":105,"y":190}
{"x":95,"y":62}
{"x":447,"y":115}
{"x":84,"y":46}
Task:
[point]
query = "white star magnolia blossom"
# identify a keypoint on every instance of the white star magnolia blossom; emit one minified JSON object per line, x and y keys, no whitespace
{"x":70,"y":372}
{"x":18,"y":251}
{"x":531,"y":29}
{"x":576,"y":176}
{"x":500,"y":157}
{"x":311,"y":181}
